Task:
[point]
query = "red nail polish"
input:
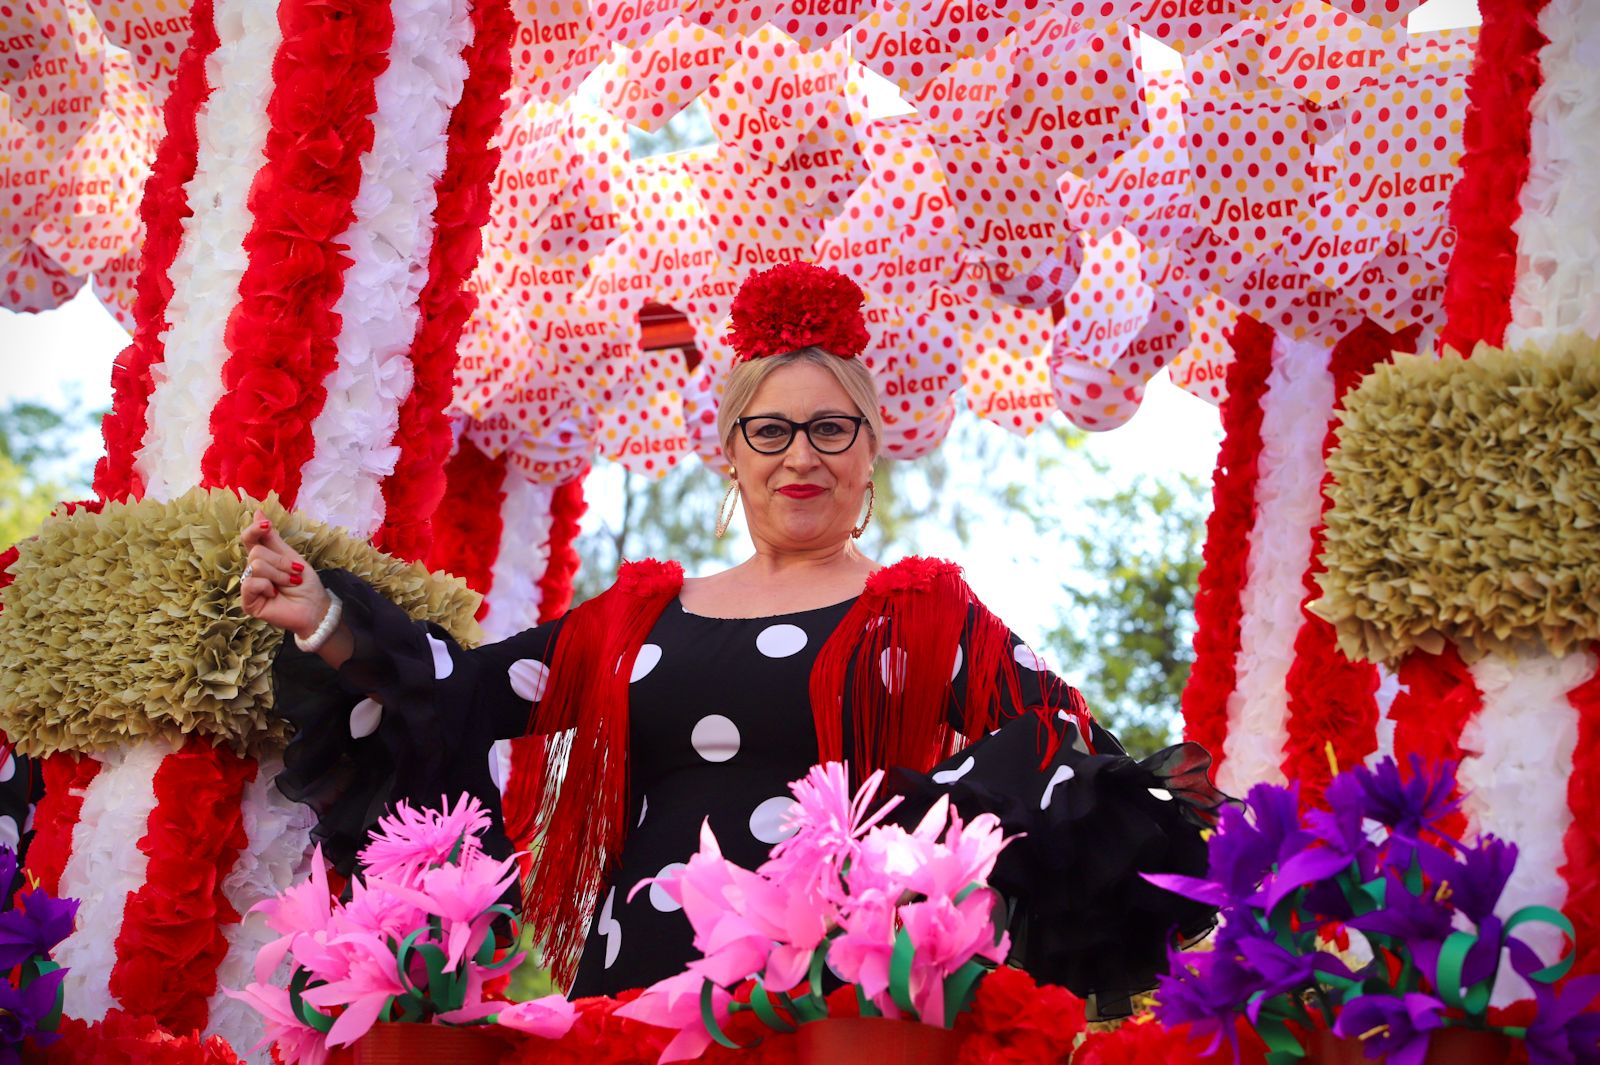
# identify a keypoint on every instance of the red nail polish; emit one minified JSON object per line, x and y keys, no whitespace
{"x":298,"y":567}
{"x":266,"y":525}
{"x":295,"y":578}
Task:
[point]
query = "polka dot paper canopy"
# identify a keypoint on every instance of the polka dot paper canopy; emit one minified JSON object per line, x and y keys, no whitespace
{"x":1072,"y":198}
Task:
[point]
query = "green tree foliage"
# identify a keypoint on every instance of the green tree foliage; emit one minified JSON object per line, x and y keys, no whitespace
{"x":41,"y":463}
{"x":1131,"y":618}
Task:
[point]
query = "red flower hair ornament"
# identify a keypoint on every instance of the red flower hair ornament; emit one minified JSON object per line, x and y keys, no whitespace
{"x":797,"y":305}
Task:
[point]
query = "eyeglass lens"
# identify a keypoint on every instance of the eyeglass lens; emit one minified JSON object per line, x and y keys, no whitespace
{"x":772,"y":435}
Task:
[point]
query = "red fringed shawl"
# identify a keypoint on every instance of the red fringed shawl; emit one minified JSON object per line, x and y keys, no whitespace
{"x":892,"y":660}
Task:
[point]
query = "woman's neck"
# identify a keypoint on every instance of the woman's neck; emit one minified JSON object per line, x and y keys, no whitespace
{"x":769,"y":562}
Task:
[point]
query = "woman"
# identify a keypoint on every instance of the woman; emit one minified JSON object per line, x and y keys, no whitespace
{"x":667,"y":700}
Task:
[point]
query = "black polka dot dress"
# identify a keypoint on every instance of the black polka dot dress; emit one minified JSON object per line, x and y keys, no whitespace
{"x":725,"y":753}
{"x":720,"y":723}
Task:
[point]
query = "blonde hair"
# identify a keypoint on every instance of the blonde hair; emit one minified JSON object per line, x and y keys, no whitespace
{"x":746,"y":378}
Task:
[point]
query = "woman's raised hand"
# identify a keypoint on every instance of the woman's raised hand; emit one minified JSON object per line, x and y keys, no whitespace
{"x":280,"y":587}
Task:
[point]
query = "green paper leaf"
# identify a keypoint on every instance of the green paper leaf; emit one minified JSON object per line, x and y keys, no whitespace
{"x":900,"y":973}
{"x":708,"y":1017}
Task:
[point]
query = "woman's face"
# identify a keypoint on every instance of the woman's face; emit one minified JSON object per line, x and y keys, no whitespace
{"x":802,"y":499}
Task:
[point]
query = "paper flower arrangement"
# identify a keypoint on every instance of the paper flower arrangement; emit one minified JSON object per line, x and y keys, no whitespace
{"x":905,"y":916}
{"x":412,"y":943}
{"x":31,"y":997}
{"x":1424,"y":906}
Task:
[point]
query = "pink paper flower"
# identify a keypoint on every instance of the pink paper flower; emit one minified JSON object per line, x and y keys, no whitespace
{"x":550,"y":1017}
{"x":829,"y":823}
{"x":371,"y":980}
{"x":295,"y":1040}
{"x":675,"y":1003}
{"x":461,"y":895}
{"x":410,"y":840}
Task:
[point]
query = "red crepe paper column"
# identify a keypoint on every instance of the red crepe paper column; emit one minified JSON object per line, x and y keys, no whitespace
{"x":1483,"y":208}
{"x":1226,"y":553}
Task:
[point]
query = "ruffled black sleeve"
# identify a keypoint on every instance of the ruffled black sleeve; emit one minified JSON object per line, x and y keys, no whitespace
{"x":412,"y":715}
{"x":1091,"y":823}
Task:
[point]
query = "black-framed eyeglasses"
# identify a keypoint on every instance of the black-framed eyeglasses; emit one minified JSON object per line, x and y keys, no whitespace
{"x":829,"y":434}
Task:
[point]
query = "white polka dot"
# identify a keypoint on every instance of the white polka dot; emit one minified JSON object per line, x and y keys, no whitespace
{"x":950,"y":776}
{"x":955,"y":670}
{"x":644,"y":808}
{"x":892,"y":668}
{"x":27,"y":826}
{"x":443,"y":664}
{"x":658,"y":894}
{"x":1026,"y":658}
{"x":608,"y":926}
{"x":364,"y":718}
{"x":9,"y":836}
{"x":716,"y":738}
{"x":649,"y":655}
{"x":500,"y":764}
{"x":767,"y":821}
{"x":781,"y":641}
{"x":529,"y":678}
{"x":1161,"y":793}
{"x":8,"y":769}
{"x":1062,"y":774}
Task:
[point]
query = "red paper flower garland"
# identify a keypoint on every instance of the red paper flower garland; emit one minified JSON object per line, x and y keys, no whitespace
{"x":468,"y":525}
{"x":1333,"y":700}
{"x":1013,"y":1021}
{"x":1437,"y":697}
{"x":1143,"y":1041}
{"x":555,"y":587}
{"x":171,"y":940}
{"x":128,"y":1039}
{"x":1494,"y":166}
{"x":1218,"y":607}
{"x":162,"y":212}
{"x":1582,"y":868}
{"x":66,"y":775}
{"x":283,"y":332}
{"x":412,"y":493}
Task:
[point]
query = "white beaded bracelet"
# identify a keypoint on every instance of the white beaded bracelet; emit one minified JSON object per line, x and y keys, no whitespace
{"x":330,"y":623}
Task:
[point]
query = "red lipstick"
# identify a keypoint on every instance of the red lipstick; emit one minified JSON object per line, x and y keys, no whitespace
{"x":802,"y":491}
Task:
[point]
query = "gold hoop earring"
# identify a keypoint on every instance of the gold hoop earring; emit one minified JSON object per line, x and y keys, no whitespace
{"x":872,"y":497}
{"x":725,"y":511}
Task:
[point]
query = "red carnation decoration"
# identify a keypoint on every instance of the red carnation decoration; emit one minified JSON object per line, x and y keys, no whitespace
{"x":798,"y":305}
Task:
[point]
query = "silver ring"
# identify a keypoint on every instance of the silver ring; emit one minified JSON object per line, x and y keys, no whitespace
{"x":249,"y":568}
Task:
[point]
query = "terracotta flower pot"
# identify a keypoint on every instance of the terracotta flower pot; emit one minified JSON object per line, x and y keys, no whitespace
{"x":1449,"y":1046}
{"x":405,"y":1044}
{"x":876,"y":1041}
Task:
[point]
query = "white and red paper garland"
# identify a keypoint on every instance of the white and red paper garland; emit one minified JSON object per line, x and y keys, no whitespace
{"x":165,"y":211}
{"x":390,"y":241}
{"x":412,"y":493}
{"x":1287,"y":506}
{"x":280,"y":333}
{"x":105,"y":867}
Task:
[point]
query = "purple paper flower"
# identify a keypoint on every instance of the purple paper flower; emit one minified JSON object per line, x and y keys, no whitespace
{"x":1408,"y":808}
{"x":1205,"y":991}
{"x":1473,"y":881}
{"x":1396,"y":1029}
{"x":1280,"y":971}
{"x":1566,"y":1032}
{"x":22,"y":1011}
{"x":34,"y":927}
{"x":1416,"y":920}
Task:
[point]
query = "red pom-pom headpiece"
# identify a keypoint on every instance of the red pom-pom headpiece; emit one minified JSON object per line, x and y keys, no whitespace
{"x":797,"y":305}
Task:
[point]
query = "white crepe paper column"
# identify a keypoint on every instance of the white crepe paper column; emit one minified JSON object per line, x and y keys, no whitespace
{"x":1288,"y":505}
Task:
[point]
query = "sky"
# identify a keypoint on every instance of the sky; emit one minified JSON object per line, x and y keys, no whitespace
{"x":67,"y":353}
